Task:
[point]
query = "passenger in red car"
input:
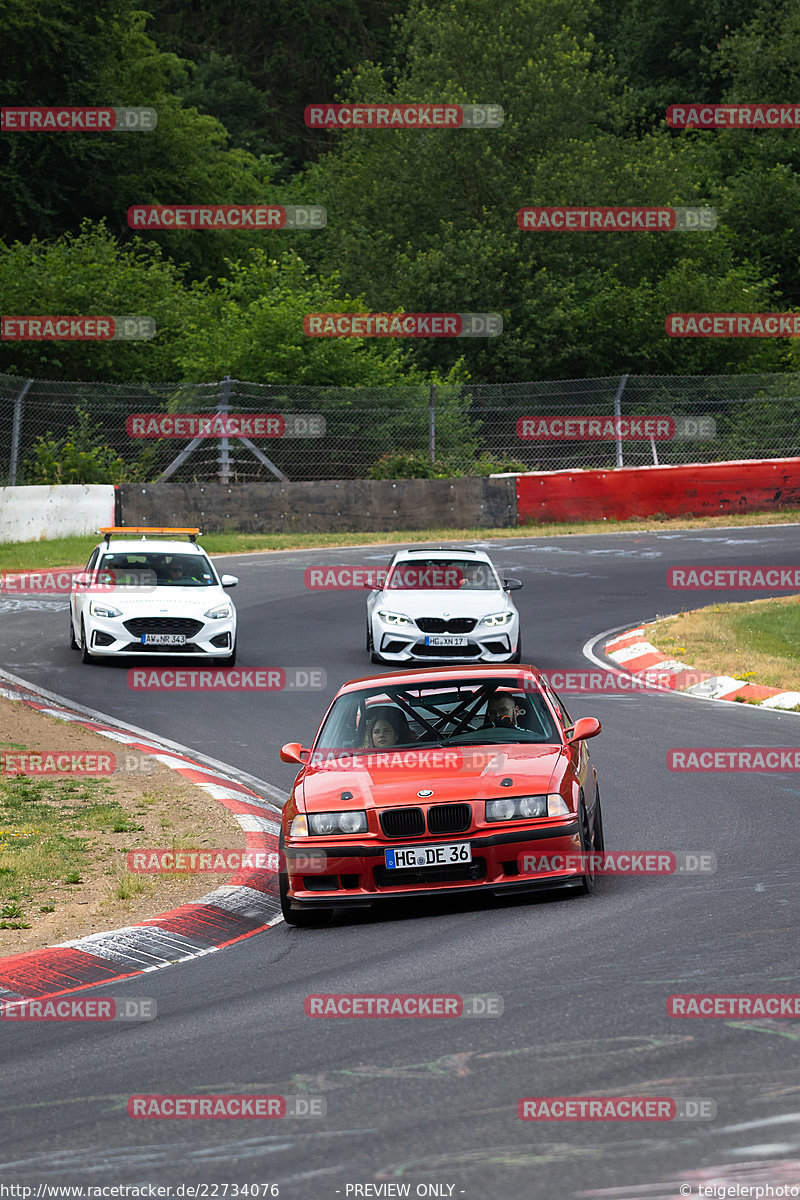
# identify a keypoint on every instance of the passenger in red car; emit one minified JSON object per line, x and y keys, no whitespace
{"x":387,"y":727}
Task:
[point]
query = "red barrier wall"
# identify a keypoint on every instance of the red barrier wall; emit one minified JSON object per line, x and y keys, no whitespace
{"x":697,"y":489}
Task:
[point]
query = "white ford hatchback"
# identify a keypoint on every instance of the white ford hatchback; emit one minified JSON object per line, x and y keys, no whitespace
{"x":152,"y":594}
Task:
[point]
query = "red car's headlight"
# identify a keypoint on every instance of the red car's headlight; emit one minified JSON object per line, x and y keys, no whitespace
{"x":522,"y":808}
{"x":322,"y":824}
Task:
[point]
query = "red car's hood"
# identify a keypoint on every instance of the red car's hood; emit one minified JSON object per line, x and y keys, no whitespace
{"x":381,"y":779}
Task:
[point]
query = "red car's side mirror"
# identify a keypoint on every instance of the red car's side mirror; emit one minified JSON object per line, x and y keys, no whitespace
{"x":586,"y":727}
{"x":293,"y":752}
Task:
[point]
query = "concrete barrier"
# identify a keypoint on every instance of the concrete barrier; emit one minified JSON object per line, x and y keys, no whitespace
{"x":378,"y":505}
{"x":699,"y":489}
{"x":347,"y":505}
{"x":42,"y":512}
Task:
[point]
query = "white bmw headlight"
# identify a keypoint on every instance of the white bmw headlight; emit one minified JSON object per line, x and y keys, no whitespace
{"x":219,"y":613}
{"x":502,"y":618}
{"x":393,"y":618}
{"x":103,"y":610}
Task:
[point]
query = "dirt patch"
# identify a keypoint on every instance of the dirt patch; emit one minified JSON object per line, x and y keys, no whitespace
{"x":160,"y":808}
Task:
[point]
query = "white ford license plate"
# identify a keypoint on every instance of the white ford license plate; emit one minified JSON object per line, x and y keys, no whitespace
{"x":445,"y":640}
{"x":164,"y":639}
{"x":428,"y":856}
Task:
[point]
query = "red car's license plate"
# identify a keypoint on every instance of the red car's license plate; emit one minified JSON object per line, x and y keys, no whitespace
{"x":428,"y":856}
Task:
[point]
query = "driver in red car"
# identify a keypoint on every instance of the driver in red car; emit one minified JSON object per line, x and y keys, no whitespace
{"x":502,"y":712}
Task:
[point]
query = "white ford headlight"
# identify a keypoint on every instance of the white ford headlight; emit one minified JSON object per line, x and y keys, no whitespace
{"x":103,"y":610}
{"x":219,"y":613}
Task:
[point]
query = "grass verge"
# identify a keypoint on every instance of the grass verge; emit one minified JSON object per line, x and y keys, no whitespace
{"x":757,"y":642}
{"x":64,"y":839}
{"x":74,"y":551}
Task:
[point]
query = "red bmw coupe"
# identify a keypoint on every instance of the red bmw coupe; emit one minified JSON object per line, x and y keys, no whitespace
{"x":439,"y":781}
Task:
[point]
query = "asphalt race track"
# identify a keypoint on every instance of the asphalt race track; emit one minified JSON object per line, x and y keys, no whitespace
{"x":584,"y":980}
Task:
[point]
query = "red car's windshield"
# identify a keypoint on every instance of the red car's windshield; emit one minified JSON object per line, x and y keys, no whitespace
{"x":462,"y":712}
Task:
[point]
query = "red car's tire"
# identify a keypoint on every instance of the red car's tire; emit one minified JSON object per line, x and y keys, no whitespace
{"x":587,"y":881}
{"x":598,"y":841}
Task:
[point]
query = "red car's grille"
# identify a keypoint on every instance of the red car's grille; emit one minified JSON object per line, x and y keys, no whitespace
{"x":449,"y":818}
{"x":410,"y":822}
{"x":458,"y":873}
{"x":403,"y":822}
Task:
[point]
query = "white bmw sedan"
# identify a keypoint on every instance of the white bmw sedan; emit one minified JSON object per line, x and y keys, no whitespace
{"x":443,"y":606}
{"x":152,"y":595}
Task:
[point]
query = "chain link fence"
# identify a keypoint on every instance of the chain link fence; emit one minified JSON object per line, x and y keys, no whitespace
{"x":65,"y":432}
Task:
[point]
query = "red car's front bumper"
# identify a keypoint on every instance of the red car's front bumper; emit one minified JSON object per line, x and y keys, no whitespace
{"x":343,"y":875}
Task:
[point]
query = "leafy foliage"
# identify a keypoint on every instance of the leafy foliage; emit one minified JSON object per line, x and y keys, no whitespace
{"x":418,"y":221}
{"x":81,"y":457}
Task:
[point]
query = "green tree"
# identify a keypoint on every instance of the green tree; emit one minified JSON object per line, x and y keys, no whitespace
{"x":86,"y":274}
{"x":99,"y":54}
{"x":429,"y":219}
{"x":288,"y":54}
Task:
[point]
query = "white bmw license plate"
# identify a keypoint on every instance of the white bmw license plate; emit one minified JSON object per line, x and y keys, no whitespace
{"x":445,"y":640}
{"x":428,"y":856}
{"x":164,"y":639}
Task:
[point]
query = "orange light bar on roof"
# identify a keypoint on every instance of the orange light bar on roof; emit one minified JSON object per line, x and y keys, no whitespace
{"x":153,"y":530}
{"x":144,"y":529}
